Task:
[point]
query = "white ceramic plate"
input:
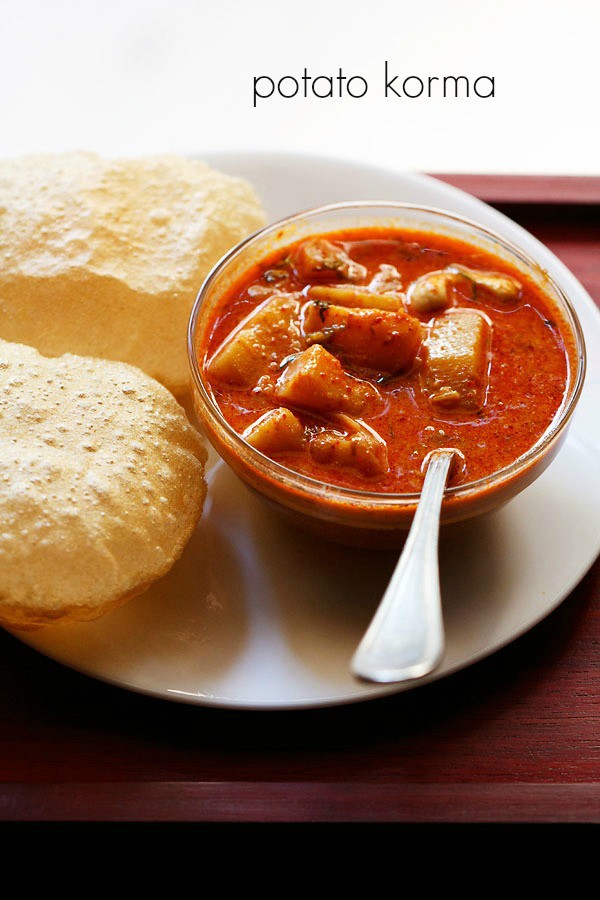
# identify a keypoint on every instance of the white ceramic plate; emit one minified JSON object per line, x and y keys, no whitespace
{"x":258,"y":615}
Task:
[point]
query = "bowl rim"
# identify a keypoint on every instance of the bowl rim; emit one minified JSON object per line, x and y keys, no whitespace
{"x":313,"y":486}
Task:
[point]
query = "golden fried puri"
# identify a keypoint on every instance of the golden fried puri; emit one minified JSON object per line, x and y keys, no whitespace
{"x":105,"y":257}
{"x":101,"y":485}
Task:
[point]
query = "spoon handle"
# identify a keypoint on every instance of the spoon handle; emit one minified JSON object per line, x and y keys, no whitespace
{"x":406,"y":636}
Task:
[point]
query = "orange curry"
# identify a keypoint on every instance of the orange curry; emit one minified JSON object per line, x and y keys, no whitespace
{"x":350,"y":356}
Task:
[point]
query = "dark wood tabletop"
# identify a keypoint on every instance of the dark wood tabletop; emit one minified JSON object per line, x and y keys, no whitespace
{"x":512,"y":739}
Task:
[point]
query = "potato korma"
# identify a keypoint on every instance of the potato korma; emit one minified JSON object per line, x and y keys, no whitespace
{"x":349,"y":356}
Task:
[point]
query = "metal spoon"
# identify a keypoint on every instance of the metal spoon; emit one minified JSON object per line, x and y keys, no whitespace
{"x":406,"y":636}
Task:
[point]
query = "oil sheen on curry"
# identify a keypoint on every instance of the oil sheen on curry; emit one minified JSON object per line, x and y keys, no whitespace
{"x":349,"y":356}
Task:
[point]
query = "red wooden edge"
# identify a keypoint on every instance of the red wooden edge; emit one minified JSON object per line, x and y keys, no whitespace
{"x":539,"y":189}
{"x":301,"y":802}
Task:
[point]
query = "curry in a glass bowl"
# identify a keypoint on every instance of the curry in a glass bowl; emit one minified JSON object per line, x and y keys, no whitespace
{"x":345,"y":355}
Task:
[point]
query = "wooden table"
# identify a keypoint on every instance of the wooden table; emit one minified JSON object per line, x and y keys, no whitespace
{"x":513,"y":739}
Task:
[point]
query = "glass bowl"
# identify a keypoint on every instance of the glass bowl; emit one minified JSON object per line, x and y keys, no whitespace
{"x":369,"y":518}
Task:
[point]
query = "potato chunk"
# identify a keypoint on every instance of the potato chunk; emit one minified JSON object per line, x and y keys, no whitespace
{"x":387,"y":279}
{"x":357,"y":446}
{"x":504,"y":287}
{"x":275,"y":431}
{"x":315,"y":380}
{"x":319,"y":258}
{"x":363,"y":298}
{"x":258,"y":342}
{"x":386,"y":341}
{"x":458,"y":359}
{"x":430,"y":293}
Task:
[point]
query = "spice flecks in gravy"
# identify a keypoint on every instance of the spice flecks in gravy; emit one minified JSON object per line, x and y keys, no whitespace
{"x":349,"y":356}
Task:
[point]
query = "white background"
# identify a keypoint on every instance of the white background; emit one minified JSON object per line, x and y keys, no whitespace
{"x":132,"y":77}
